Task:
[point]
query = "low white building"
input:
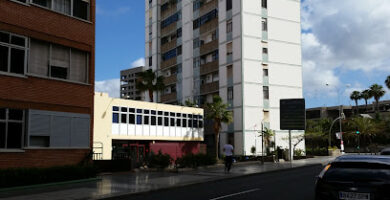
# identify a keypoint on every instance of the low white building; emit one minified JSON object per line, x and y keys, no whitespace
{"x":128,"y":128}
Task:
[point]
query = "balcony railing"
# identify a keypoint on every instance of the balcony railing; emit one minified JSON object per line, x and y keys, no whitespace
{"x":168,"y":29}
{"x":209,"y":67}
{"x":168,"y":46}
{"x":168,"y":63}
{"x":209,"y":26}
{"x":209,"y":87}
{"x":209,"y":47}
{"x":168,"y":97}
{"x":207,"y":7}
{"x":170,"y":79}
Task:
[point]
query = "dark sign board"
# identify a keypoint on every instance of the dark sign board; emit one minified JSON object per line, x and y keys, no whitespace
{"x":292,"y":114}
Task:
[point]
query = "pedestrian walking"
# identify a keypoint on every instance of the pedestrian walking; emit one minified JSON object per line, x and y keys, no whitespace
{"x":228,"y":151}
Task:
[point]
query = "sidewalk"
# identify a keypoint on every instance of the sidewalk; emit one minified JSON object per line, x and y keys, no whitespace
{"x":128,"y":183}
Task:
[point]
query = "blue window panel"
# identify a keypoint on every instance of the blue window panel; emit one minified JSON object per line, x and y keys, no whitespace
{"x":153,"y":112}
{"x":115,"y":118}
{"x":139,"y":119}
{"x":115,"y":108}
{"x":139,"y":110}
{"x":173,"y":18}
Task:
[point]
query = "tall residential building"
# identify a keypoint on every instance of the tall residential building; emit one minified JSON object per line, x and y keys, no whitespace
{"x":246,"y":51}
{"x":47,"y":72}
{"x":128,"y":88}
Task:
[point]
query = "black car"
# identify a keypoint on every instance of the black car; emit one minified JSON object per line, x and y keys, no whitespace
{"x":385,"y":151}
{"x":355,"y":177}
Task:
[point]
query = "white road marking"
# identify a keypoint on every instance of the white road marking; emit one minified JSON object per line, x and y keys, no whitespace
{"x":234,"y":194}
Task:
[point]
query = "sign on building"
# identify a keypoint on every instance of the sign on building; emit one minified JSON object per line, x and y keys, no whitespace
{"x":292,"y":114}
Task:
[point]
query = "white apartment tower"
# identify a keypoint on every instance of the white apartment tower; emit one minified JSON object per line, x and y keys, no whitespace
{"x":246,"y":51}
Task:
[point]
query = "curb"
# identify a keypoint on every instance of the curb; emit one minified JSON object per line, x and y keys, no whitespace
{"x":125,"y":195}
{"x":37,"y":186}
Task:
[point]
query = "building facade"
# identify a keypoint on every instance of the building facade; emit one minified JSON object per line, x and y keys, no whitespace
{"x":131,"y":129}
{"x":246,"y":51}
{"x":128,"y":88}
{"x":47,"y":52}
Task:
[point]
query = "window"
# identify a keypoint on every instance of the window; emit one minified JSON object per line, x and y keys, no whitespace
{"x":229,"y":71}
{"x":153,"y":120}
{"x":62,"y":6}
{"x":123,"y":118}
{"x":230,"y":93}
{"x":264,"y":3}
{"x":11,"y":128}
{"x":160,"y":119}
{"x":196,"y":5}
{"x":265,"y":51}
{"x":65,"y":63}
{"x":171,"y":19}
{"x":178,"y":122}
{"x":196,"y":43}
{"x":229,"y":48}
{"x":229,"y":26}
{"x":172,"y":121}
{"x":146,"y":120}
{"x":13,"y":50}
{"x":264,"y":24}
{"x":166,"y":121}
{"x":265,"y":92}
{"x":184,"y":123}
{"x":139,"y":119}
{"x":228,"y":4}
{"x":265,"y":72}
{"x":131,"y":119}
{"x":80,"y":8}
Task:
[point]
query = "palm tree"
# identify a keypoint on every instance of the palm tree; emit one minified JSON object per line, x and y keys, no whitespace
{"x":366,"y":96}
{"x":387,"y":81}
{"x":149,"y":81}
{"x":217,"y":111}
{"x":377,"y":92}
{"x":355,"y":95}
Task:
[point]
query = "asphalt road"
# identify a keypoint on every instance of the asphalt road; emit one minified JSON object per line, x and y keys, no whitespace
{"x":284,"y":185}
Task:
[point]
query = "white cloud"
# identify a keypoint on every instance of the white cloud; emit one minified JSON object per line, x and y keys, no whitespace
{"x":138,"y":62}
{"x":111,"y":86}
{"x":343,"y":36}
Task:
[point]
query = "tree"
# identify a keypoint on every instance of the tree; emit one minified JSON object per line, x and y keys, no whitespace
{"x":377,"y":92}
{"x":217,"y":111}
{"x":190,"y":103}
{"x":149,"y":81}
{"x":387,"y":81}
{"x":355,"y":95}
{"x":366,"y":96}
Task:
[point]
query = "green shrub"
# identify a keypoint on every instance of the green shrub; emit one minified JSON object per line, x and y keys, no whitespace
{"x":299,"y":152}
{"x":317,"y":151}
{"x":195,"y":160}
{"x":159,"y":160}
{"x":29,"y":176}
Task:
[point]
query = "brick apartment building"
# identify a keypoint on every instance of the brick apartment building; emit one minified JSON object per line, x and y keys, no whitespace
{"x":46,"y":81}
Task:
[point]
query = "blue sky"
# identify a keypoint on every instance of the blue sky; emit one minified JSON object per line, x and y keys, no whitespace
{"x":119,"y":36}
{"x":345,"y":44}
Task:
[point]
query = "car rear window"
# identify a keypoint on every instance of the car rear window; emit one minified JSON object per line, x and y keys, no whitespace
{"x":355,"y":171}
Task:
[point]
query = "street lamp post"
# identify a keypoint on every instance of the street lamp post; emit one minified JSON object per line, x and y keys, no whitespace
{"x":341,"y":116}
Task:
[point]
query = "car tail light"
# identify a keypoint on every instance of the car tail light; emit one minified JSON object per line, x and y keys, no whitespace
{"x":324,"y":170}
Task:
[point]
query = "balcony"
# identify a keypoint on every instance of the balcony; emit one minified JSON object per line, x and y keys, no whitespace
{"x":208,"y":47}
{"x":170,"y":79}
{"x":209,"y":26}
{"x":209,"y":67}
{"x":207,"y":7}
{"x":169,"y":11}
{"x":168,"y":63}
{"x":168,"y":46}
{"x":209,"y":87}
{"x":168,"y":29}
{"x":171,"y":97}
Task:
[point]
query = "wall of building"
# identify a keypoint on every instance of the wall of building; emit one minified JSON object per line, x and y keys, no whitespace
{"x":28,"y":91}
